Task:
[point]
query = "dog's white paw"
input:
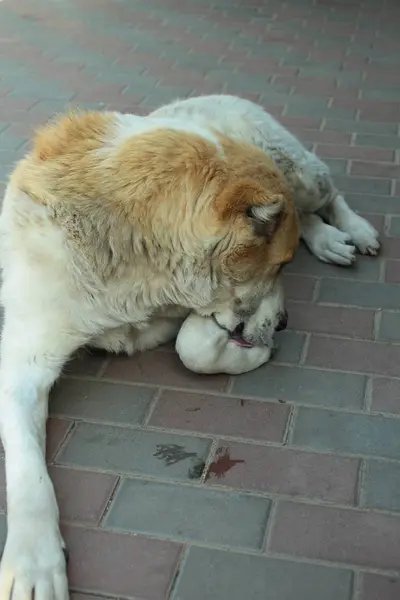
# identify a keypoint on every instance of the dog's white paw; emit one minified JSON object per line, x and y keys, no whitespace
{"x":364,"y":236}
{"x":332,"y":246}
{"x":33,"y":564}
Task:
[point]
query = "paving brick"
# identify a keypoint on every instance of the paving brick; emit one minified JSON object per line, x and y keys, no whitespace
{"x":98,"y":401}
{"x":383,"y":114}
{"x":284,"y":471}
{"x":379,"y":141}
{"x":326,"y":139}
{"x":361,"y":127}
{"x":57,"y":430}
{"x":3,"y":530}
{"x":298,"y":287}
{"x":392,"y":248}
{"x":124,"y":450}
{"x":360,"y":185}
{"x":375,"y":170}
{"x":346,"y":432}
{"x":3,"y":489}
{"x":340,"y":535}
{"x":337,"y":166}
{"x":392,"y":271}
{"x":360,"y":293}
{"x":369,"y":203}
{"x":295,"y":123}
{"x":193,"y":514}
{"x":319,"y":112}
{"x":120,"y":565}
{"x":82,"y":496}
{"x":226,"y":575}
{"x":354,"y":152}
{"x":78,"y":596}
{"x":354,"y":355}
{"x":314,"y":318}
{"x":365,"y":268}
{"x":382,"y":485}
{"x":380,"y":587}
{"x":85,"y":363}
{"x":162,"y":368}
{"x":389,"y":328}
{"x":302,"y":385}
{"x":289,"y":346}
{"x":394,"y":228}
{"x":385,"y":395}
{"x":216,"y":415}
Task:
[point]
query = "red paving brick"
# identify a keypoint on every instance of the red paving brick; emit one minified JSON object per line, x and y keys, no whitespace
{"x":357,"y":537}
{"x":320,"y":434}
{"x":217,"y":415}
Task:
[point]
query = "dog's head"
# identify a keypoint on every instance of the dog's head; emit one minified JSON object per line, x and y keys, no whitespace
{"x":258,"y":233}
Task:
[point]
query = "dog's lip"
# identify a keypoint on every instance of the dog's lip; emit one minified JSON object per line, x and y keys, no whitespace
{"x":240,"y":341}
{"x":235,"y":338}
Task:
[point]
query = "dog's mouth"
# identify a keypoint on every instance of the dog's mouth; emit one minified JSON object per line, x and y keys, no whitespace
{"x":239,"y":340}
{"x":235,"y":336}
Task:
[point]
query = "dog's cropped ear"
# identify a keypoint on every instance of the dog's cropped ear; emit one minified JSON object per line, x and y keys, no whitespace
{"x":246,"y":198}
{"x":265,"y":218}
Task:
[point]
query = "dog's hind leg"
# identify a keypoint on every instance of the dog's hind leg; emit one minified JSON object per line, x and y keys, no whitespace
{"x":128,"y":339}
{"x":326,"y":242}
{"x":36,"y":342}
{"x":338,"y":214}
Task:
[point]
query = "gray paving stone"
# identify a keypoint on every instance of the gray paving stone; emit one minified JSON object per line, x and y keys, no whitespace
{"x":126,"y":450}
{"x":369,"y":203}
{"x":345,"y":432}
{"x":382,"y":485}
{"x":299,"y":100}
{"x":337,"y":166}
{"x":389,"y":330}
{"x":383,"y":141}
{"x":318,"y":71}
{"x":387,"y":95}
{"x":218,"y":575}
{"x":289,"y":346}
{"x":359,"y":185}
{"x":360,"y":293}
{"x":3,"y":530}
{"x":190,"y":514}
{"x":395,"y":226}
{"x":97,"y":401}
{"x":361,"y":127}
{"x":365,"y":268}
{"x":320,"y":112}
{"x":302,"y":385}
{"x":10,"y":143}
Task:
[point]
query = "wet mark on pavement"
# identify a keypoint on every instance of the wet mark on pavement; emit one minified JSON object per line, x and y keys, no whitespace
{"x":222,"y":464}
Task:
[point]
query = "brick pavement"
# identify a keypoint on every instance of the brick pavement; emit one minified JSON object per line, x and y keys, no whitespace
{"x":282,"y":484}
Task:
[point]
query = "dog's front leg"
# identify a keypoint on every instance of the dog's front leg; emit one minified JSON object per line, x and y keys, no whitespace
{"x":33,"y":351}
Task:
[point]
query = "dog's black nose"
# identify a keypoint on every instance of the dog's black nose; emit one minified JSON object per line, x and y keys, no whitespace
{"x":283,"y":319}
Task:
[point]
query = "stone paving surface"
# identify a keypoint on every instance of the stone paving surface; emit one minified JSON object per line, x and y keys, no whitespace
{"x":282,"y":484}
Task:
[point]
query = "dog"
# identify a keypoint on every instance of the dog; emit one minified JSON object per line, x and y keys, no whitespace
{"x":114,"y":229}
{"x":330,"y":229}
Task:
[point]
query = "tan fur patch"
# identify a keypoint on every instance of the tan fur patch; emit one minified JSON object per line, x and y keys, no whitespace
{"x":166,"y":195}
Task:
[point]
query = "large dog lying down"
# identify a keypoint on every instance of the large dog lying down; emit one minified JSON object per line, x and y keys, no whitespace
{"x":115,"y":228}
